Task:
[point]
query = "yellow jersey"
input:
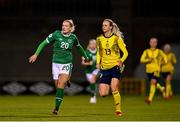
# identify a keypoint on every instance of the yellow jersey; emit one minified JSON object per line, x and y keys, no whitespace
{"x":108,"y":51}
{"x":169,"y":66}
{"x":153,"y":60}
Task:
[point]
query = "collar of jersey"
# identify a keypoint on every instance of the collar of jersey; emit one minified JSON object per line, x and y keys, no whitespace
{"x":109,"y":36}
{"x":92,"y":51}
{"x":65,"y":35}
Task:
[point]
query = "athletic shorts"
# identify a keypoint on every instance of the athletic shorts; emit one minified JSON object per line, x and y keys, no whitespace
{"x":58,"y":69}
{"x":90,"y":75}
{"x":152,"y":76}
{"x":107,"y":75}
{"x":165,"y":74}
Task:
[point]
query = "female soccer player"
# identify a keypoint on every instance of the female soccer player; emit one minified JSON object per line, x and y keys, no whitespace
{"x":109,"y":61}
{"x":91,"y":70}
{"x":153,"y":57}
{"x":63,"y":41}
{"x":167,"y":69}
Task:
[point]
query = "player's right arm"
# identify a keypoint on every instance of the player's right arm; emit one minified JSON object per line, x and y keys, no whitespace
{"x":144,"y":58}
{"x":33,"y":58}
{"x":86,"y":63}
{"x":41,"y":46}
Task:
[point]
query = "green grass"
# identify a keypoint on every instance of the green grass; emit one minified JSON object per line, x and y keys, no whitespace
{"x":77,"y":108}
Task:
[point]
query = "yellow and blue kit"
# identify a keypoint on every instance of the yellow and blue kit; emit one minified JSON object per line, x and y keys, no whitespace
{"x":108,"y":55}
{"x":153,"y":59}
{"x":168,"y":68}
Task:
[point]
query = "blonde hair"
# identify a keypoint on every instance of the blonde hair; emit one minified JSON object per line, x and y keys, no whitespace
{"x":115,"y":29}
{"x":91,"y":40}
{"x":70,"y":21}
{"x":167,"y":46}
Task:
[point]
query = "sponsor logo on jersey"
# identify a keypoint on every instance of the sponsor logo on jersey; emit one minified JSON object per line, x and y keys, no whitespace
{"x":60,"y":39}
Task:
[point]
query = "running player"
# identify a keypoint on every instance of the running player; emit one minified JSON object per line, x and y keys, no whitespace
{"x":91,"y":70}
{"x":109,"y":45}
{"x":63,"y":41}
{"x":167,"y":69}
{"x":153,"y":57}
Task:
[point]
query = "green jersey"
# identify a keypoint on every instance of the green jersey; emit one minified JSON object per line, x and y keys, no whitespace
{"x":62,"y":48}
{"x":92,"y":57}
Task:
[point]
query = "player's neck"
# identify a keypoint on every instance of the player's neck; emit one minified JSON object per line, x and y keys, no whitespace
{"x":153,"y":48}
{"x":66,"y":34}
{"x":108,"y":34}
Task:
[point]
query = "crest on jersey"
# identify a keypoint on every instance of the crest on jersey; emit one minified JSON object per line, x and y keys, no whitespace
{"x":70,"y":40}
{"x":107,"y":45}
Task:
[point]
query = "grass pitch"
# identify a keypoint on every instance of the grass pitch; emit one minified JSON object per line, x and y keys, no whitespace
{"x":77,"y":108}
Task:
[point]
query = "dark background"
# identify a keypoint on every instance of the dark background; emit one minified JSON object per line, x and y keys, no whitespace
{"x":25,"y":23}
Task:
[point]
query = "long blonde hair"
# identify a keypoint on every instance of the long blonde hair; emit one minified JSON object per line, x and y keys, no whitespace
{"x":70,"y":21}
{"x":115,"y":29}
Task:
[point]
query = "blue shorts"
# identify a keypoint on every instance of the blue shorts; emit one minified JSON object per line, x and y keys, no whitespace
{"x":165,"y":74}
{"x":152,"y":76}
{"x":107,"y":75}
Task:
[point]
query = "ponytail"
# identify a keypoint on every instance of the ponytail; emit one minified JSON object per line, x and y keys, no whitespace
{"x":115,"y":29}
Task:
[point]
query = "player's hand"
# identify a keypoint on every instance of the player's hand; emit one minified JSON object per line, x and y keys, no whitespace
{"x":120,"y":63}
{"x":86,"y":60}
{"x":33,"y":58}
{"x":98,"y":66}
{"x":150,"y":60}
{"x":121,"y":69}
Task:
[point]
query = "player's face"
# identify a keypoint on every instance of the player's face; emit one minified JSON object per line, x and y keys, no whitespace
{"x":92,"y":45}
{"x":106,"y":26}
{"x":66,"y":27}
{"x":153,"y":43}
{"x":167,"y":48}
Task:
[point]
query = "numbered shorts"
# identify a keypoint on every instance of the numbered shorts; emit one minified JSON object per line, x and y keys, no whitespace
{"x":58,"y":69}
{"x":90,"y":75}
{"x":107,"y":75}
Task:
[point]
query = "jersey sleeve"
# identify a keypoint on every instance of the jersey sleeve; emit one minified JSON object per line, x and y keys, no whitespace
{"x":98,"y":59}
{"x":41,"y":47}
{"x":144,"y":58}
{"x":76,"y":42}
{"x":174,"y":60}
{"x":163,"y":56}
{"x":80,"y":48}
{"x":122,"y":46}
{"x":88,"y":55}
{"x":51,"y":37}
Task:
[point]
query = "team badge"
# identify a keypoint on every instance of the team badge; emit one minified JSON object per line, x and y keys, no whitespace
{"x":70,"y":40}
{"x":107,"y":45}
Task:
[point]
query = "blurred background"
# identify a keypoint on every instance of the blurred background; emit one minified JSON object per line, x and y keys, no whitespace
{"x":25,"y":23}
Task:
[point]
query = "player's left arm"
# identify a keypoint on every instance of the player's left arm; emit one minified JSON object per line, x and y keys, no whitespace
{"x":122,"y":47}
{"x":174,"y":60}
{"x":81,"y":49}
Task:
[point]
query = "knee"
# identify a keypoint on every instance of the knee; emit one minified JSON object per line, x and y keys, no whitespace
{"x":153,"y":82}
{"x":60,"y":84}
{"x":103,"y":94}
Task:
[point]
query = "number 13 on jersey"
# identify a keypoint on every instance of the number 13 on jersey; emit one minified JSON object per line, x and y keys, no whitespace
{"x":108,"y":51}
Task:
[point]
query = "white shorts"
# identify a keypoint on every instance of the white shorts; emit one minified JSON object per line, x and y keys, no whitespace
{"x":58,"y":69}
{"x":90,"y":75}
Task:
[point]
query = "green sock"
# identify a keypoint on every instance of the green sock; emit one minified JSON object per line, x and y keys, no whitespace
{"x":59,"y":97}
{"x":93,"y":89}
